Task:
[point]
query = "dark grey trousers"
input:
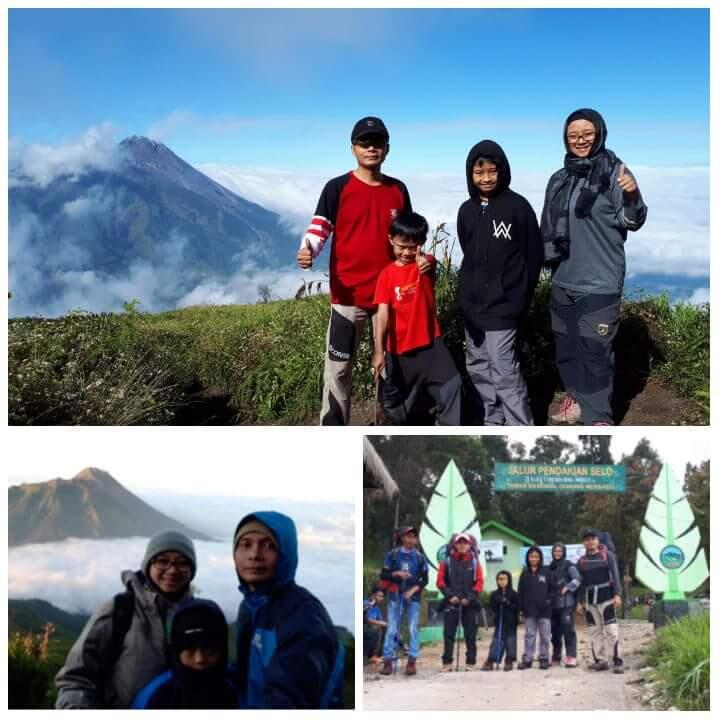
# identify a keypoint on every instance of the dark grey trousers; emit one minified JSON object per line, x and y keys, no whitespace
{"x":584,"y":327}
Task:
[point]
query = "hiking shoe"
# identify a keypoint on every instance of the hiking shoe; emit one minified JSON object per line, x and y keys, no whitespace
{"x":447,"y":667}
{"x":618,"y":669}
{"x":469,"y":667}
{"x":568,"y":414}
{"x":544,"y":664}
{"x":555,"y":661}
{"x":508,"y":665}
{"x":600,"y":423}
{"x":487,"y":665}
{"x":386,"y":668}
{"x":570,"y":662}
{"x":600,"y":665}
{"x":411,"y":668}
{"x":524,"y":665}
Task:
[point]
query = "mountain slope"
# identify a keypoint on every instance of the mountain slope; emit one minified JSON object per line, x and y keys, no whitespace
{"x":151,"y":213}
{"x":90,"y":505}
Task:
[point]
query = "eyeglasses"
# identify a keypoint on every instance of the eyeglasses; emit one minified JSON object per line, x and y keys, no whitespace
{"x":587,"y":136}
{"x":365,"y":143}
{"x":163,"y":563}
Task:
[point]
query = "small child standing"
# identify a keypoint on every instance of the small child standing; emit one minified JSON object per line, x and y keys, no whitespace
{"x":408,"y":341}
{"x":502,"y":255}
{"x":536,"y":608}
{"x":504,"y":603}
{"x":198,"y":677}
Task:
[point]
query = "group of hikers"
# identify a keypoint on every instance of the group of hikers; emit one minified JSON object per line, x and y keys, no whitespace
{"x":378,"y":272}
{"x":155,"y":646}
{"x":546,"y":601}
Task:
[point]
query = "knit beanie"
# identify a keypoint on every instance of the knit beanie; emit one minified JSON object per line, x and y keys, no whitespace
{"x":199,"y":623}
{"x":252,"y":525}
{"x":169,"y":541}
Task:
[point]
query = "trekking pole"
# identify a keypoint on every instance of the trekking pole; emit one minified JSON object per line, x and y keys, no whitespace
{"x":498,"y":649}
{"x":457,"y":637}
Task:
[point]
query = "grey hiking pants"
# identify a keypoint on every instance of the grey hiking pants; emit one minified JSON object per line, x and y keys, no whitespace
{"x":491,"y":360}
{"x":345,"y":331}
{"x":534,"y":627}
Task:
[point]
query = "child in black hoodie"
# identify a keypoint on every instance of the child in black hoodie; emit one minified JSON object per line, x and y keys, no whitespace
{"x":535,"y":607}
{"x":198,"y":677}
{"x":502,"y":254}
{"x":504,"y":604}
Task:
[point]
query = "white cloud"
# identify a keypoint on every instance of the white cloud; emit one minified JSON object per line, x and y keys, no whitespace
{"x":700,"y":296}
{"x":674,"y":241}
{"x":76,"y":575}
{"x":40,"y":164}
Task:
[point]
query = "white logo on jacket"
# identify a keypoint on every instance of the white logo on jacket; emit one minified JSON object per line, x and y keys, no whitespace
{"x":502,"y":229}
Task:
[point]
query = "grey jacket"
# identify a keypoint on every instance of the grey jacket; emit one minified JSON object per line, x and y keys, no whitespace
{"x":596,"y":263}
{"x":86,"y":681}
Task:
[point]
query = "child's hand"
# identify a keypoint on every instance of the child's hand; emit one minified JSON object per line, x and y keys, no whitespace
{"x":617,"y":601}
{"x":305,"y":258}
{"x":424,"y":265}
{"x":464,"y":602}
{"x":378,"y":363}
{"x":454,"y":600}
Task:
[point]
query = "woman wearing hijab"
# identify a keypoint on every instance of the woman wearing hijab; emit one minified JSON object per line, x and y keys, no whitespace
{"x":124,"y":645}
{"x":590,"y":205}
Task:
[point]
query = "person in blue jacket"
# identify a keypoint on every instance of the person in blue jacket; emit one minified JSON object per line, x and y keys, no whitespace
{"x":288,"y":653}
{"x":198,"y":677}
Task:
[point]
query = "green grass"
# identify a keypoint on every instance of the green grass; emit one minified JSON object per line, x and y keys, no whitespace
{"x":681,"y":658}
{"x":265,"y":361}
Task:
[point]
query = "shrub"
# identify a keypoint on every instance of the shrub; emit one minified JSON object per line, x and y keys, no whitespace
{"x":30,"y":674}
{"x":681,"y":658}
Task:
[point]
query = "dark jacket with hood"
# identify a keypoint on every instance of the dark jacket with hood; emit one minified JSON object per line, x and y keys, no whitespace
{"x":564,"y":575}
{"x":534,"y":589}
{"x":505,"y":605}
{"x":502,"y":249}
{"x":288,"y":653}
{"x":181,"y":687}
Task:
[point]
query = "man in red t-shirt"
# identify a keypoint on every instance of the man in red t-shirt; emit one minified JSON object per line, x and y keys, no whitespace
{"x":408,"y":339}
{"x":357,"y":209}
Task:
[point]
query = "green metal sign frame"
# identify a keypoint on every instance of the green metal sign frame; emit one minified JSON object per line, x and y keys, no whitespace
{"x":539,"y":477}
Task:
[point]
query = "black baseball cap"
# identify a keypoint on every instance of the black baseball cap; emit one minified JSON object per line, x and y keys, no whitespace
{"x":588,"y":532}
{"x":369,"y":126}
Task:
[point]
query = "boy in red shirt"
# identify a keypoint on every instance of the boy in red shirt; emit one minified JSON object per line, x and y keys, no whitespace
{"x":356,"y":209}
{"x":408,"y":329}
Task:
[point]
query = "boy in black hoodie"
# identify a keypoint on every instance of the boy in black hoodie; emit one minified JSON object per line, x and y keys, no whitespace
{"x":504,"y":604}
{"x":502,"y":254}
{"x":535,"y":607}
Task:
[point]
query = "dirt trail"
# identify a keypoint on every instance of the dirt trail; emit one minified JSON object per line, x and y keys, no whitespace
{"x":656,"y":404}
{"x":555,"y":689}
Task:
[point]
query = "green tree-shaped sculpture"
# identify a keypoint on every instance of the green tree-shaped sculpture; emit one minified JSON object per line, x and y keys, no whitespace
{"x":450,"y":510}
{"x":670,"y":559}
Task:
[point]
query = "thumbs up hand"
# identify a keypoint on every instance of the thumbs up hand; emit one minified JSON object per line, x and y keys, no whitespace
{"x":626,"y":181}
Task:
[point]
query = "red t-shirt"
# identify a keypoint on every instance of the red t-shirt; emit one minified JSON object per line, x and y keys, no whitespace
{"x":413,"y":321}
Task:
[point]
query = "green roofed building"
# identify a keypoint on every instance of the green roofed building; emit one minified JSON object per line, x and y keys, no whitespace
{"x":512,"y":542}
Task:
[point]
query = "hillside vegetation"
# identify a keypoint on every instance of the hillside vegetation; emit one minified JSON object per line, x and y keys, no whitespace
{"x":263,"y":363}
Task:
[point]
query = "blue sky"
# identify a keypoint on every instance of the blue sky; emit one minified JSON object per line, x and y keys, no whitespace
{"x":281,"y":88}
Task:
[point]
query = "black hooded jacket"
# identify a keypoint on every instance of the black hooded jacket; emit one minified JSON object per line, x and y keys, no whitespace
{"x":502,"y":249}
{"x":564,"y":575}
{"x":505,"y":605}
{"x":534,"y":589}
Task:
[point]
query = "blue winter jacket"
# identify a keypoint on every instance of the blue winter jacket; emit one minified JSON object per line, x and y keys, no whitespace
{"x":288,"y":653}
